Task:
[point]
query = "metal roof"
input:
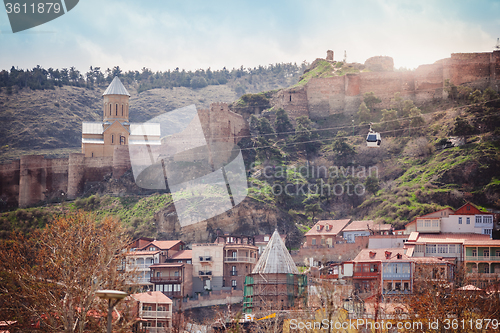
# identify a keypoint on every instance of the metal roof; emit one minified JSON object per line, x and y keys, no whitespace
{"x":148,"y":129}
{"x":95,"y":141}
{"x":275,"y":258}
{"x":116,"y":88}
{"x":92,"y":128}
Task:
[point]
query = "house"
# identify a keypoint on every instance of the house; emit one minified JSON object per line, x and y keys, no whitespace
{"x":174,"y":280}
{"x":154,"y":311}
{"x":364,"y":228}
{"x":324,"y":233}
{"x":224,"y":263}
{"x":466,"y":219}
{"x":482,"y":261}
{"x":142,"y":254}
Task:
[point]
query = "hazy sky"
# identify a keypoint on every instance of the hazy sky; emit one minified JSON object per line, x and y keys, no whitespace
{"x":164,"y":34}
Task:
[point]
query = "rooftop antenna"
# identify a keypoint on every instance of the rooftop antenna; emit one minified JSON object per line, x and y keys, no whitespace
{"x":498,"y":44}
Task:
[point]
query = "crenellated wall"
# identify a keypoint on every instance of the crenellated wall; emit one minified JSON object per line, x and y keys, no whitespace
{"x":322,"y":97}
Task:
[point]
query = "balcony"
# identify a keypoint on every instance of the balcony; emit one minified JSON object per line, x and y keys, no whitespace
{"x":139,"y":266}
{"x":172,"y":293}
{"x":234,"y":273}
{"x":202,"y":273}
{"x":239,"y":259}
{"x":155,"y":314}
{"x":165,"y":279}
{"x":205,"y":259}
{"x":482,"y":258}
{"x":156,"y":329}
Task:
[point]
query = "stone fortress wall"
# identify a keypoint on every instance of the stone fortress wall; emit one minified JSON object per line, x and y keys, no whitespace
{"x":34,"y":178}
{"x":322,"y":97}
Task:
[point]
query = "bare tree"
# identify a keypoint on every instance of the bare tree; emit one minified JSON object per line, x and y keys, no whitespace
{"x":51,"y":277}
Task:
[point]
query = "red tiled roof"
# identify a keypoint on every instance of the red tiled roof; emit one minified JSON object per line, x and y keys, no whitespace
{"x":453,"y":238}
{"x":167,"y":264}
{"x":366,"y":255}
{"x":413,"y":236}
{"x":366,"y":225}
{"x":437,"y":211}
{"x":335,"y":226}
{"x":152,"y":297}
{"x":163,"y":245}
{"x":183,"y":255}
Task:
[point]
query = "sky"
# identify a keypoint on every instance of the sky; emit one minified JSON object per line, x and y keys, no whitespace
{"x":165,"y":34}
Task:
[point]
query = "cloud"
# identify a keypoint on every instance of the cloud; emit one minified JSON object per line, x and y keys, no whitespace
{"x":164,"y":35}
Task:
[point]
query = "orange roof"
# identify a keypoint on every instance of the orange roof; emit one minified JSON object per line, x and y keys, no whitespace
{"x":413,"y":236}
{"x":380,"y":254}
{"x":152,"y":297}
{"x":366,"y":225}
{"x":183,"y":255}
{"x":334,"y":227}
{"x":437,"y":211}
{"x":454,"y":238}
{"x":163,"y":245}
{"x":481,"y":242}
{"x":167,"y":264}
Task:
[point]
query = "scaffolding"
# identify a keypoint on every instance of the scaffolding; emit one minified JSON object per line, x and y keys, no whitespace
{"x":275,"y":282}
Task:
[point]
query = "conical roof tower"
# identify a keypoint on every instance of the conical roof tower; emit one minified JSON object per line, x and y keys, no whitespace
{"x":275,"y":258}
{"x":116,"y":88}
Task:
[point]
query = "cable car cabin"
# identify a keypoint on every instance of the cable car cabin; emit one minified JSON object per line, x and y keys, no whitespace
{"x":373,"y":140}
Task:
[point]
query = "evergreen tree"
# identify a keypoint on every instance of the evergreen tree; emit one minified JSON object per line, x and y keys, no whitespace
{"x":363,"y":113}
{"x":282,"y":123}
{"x":370,"y":100}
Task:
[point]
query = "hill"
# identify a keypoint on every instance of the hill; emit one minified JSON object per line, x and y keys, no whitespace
{"x":434,"y":155}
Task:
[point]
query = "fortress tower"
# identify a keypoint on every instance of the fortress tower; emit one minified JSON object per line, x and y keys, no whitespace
{"x":99,"y":139}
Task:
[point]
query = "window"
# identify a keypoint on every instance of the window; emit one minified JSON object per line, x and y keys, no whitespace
{"x":322,"y":241}
{"x":468,"y":207}
{"x":420,"y":248}
{"x":177,"y":287}
{"x":313,"y":241}
{"x":158,"y":274}
{"x":110,"y":109}
{"x":146,"y":308}
{"x":468,"y":220}
{"x":487,"y":219}
{"x":486,"y":253}
{"x":442,"y":248}
{"x":233,"y":284}
{"x":406,"y":286}
{"x":451,"y":248}
{"x":160,"y":324}
{"x":474,"y":252}
{"x":430,"y":248}
{"x":146,"y":324}
{"x":459,"y":220}
{"x":420,"y":224}
{"x":176,"y":273}
{"x":122,"y":109}
{"x":112,"y":138}
{"x":487,"y":231}
{"x":497,"y":253}
{"x":479,"y":219}
{"x":116,"y":109}
{"x":427,"y":223}
{"x":435,"y":223}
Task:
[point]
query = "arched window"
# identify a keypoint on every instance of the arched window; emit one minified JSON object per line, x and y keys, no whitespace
{"x":112,"y":138}
{"x":116,"y":110}
{"x":122,"y":109}
{"x":110,"y":109}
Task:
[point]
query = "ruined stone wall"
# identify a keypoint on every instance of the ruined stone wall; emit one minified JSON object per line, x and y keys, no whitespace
{"x":429,"y":82}
{"x":383,"y":84}
{"x":76,"y":174}
{"x":326,"y":96}
{"x":32,"y":180}
{"x":56,"y":171}
{"x":470,"y":67}
{"x":9,"y":184}
{"x":293,"y":101}
{"x":121,"y":161}
{"x":97,"y":167}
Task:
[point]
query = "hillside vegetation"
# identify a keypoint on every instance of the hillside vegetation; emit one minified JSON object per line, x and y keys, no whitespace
{"x":432,"y":156}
